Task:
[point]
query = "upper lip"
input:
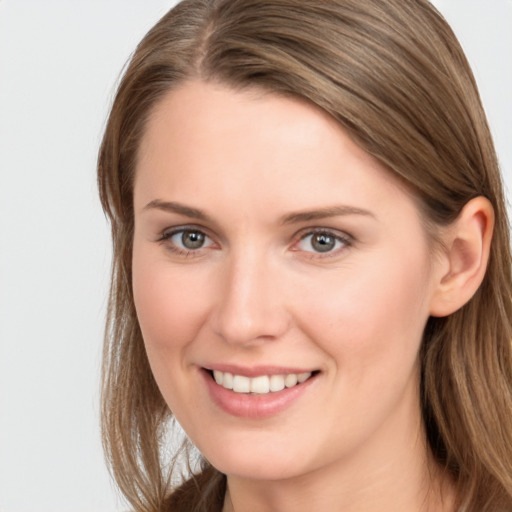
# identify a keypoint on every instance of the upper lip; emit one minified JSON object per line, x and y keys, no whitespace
{"x":256,"y":371}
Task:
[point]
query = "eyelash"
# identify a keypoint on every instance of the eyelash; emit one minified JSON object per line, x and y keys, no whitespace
{"x":344,"y":239}
{"x":167,"y":236}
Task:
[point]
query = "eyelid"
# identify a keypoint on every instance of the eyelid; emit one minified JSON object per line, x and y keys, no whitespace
{"x":171,"y":230}
{"x":346,"y":239}
{"x":167,"y":233}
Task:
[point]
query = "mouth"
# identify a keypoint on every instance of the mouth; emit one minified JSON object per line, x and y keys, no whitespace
{"x":258,"y":392}
{"x":261,"y":384}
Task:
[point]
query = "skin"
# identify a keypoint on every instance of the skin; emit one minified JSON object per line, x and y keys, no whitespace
{"x":258,"y":293}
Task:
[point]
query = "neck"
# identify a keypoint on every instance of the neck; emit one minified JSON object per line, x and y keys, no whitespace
{"x":393,"y":472}
{"x":334,"y":490}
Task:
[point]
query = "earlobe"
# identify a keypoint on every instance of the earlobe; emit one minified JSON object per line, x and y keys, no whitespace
{"x":467,"y":245}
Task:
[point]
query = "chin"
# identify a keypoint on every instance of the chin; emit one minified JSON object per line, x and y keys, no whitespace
{"x":257,"y":468}
{"x":256,"y":461}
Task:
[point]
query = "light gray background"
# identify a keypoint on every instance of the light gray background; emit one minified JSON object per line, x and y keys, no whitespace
{"x":59,"y":61}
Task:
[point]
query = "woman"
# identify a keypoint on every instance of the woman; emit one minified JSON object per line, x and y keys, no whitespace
{"x":303,"y":197}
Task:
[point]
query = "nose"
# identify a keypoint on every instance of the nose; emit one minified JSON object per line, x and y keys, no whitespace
{"x":251,"y":308}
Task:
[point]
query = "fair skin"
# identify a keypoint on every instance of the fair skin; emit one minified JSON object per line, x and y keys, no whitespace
{"x":267,"y":243}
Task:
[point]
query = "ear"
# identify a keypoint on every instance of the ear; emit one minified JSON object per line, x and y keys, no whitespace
{"x":465,"y":254}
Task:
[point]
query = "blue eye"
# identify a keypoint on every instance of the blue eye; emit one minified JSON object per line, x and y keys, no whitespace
{"x":189,"y":239}
{"x":322,"y":242}
{"x":186,"y":240}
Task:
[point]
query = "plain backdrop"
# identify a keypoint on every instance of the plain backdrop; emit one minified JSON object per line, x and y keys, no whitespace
{"x":59,"y":62}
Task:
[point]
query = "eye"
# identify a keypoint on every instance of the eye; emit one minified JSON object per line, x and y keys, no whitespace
{"x":189,"y":239}
{"x":322,"y":242}
{"x":186,"y":240}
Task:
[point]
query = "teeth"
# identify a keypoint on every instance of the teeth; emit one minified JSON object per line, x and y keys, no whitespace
{"x":227,"y":381}
{"x":290,"y":380}
{"x":260,"y":385}
{"x":301,"y":377}
{"x":276,"y":382}
{"x":241,"y":384}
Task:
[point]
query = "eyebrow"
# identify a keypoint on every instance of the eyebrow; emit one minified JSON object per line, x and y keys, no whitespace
{"x":173,"y":207}
{"x":290,"y":218}
{"x":324,"y":213}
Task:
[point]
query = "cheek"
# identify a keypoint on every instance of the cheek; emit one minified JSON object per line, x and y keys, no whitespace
{"x":171,"y":312}
{"x":170,"y":307}
{"x":372,"y":317}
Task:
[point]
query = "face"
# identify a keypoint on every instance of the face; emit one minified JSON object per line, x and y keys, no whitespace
{"x":282,"y":281}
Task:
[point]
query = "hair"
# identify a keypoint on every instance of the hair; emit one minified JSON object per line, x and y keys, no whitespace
{"x":393,"y":75}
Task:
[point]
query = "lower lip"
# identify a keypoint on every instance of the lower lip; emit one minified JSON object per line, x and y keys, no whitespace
{"x":256,"y":406}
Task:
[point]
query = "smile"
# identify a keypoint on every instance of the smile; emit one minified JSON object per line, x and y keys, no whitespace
{"x":265,"y":393}
{"x":262,"y":384}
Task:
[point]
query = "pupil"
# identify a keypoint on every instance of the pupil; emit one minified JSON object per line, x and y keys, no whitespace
{"x":323,"y":243}
{"x":192,"y":239}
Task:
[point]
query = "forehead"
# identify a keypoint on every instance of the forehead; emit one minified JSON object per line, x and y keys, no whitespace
{"x":205,"y":140}
{"x":214,"y":109}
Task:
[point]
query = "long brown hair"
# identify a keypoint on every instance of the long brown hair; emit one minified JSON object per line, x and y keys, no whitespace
{"x":392,"y":73}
